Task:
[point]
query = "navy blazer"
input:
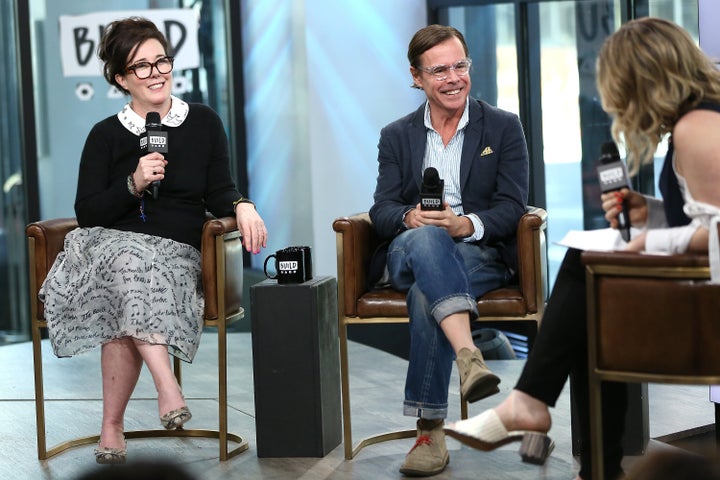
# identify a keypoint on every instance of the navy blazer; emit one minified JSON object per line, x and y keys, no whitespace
{"x":493,"y":175}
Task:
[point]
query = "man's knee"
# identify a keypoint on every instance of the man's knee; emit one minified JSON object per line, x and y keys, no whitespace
{"x":430,"y":236}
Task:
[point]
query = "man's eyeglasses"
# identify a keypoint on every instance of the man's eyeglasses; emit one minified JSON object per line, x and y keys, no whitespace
{"x":441,"y":72}
{"x":143,"y":70}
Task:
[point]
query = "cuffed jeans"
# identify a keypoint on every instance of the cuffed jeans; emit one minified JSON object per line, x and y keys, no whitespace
{"x":441,"y":276}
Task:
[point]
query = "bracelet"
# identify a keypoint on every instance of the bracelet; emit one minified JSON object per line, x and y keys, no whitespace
{"x":132,"y":188}
{"x":242,"y":200}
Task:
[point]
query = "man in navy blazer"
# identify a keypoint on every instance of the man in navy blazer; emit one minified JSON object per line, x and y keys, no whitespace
{"x":445,"y":259}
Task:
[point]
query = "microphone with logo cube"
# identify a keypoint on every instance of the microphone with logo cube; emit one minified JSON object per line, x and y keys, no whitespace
{"x":155,"y":139}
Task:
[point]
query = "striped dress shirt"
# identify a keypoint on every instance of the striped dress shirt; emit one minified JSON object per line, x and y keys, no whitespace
{"x":446,"y":159}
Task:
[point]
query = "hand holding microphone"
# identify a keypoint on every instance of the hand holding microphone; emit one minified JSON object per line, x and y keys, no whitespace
{"x":432,"y":199}
{"x":433,"y":210}
{"x":613,"y":177}
{"x":154,"y":140}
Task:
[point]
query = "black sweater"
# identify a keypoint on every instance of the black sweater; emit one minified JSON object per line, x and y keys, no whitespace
{"x":197,"y":178}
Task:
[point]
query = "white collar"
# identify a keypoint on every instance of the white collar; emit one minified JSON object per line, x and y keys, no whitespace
{"x":179,"y":110}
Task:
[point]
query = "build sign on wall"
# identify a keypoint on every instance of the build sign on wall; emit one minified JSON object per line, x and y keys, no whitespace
{"x":80,"y":35}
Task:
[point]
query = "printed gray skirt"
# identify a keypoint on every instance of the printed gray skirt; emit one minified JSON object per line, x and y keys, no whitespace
{"x":109,"y":284}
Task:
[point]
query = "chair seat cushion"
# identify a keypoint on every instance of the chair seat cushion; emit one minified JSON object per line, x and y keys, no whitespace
{"x":387,"y":302}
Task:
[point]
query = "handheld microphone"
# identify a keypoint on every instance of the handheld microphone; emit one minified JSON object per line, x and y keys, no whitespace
{"x":613,"y":176}
{"x":154,"y":140}
{"x":432,"y":191}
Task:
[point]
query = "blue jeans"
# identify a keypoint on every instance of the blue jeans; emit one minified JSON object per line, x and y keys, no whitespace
{"x":441,"y":276}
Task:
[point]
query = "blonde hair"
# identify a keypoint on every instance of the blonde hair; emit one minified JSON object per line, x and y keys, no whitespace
{"x":649,"y":74}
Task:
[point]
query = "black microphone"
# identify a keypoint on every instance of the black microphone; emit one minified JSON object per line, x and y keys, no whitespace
{"x":432,"y":190}
{"x":154,"y":140}
{"x":613,"y":176}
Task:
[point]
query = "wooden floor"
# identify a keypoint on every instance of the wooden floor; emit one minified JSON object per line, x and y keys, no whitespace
{"x":73,"y":385}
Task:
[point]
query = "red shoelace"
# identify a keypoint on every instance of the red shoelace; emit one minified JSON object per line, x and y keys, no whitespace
{"x":421,"y":440}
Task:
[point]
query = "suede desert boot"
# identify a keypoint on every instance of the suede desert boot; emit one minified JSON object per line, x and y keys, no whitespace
{"x":476,"y":379}
{"x":429,"y":455}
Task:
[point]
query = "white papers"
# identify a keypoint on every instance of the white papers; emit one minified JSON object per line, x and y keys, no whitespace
{"x":602,"y":240}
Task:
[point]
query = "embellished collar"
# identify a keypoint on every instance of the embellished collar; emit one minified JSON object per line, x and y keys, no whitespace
{"x":179,"y":110}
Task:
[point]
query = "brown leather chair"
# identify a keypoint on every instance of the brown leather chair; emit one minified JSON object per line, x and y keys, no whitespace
{"x":356,"y":241}
{"x":222,"y":277}
{"x":651,"y":319}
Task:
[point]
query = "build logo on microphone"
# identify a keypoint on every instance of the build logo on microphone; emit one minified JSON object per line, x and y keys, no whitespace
{"x":157,"y":142}
{"x":429,"y":203}
{"x":611,"y":177}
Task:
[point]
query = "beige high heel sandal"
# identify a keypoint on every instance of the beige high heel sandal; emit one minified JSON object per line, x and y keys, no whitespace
{"x":487,"y":432}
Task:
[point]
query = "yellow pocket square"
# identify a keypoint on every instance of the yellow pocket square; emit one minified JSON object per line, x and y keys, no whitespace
{"x":486,"y":151}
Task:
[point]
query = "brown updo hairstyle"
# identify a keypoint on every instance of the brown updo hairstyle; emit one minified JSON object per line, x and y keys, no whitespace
{"x":120,"y":41}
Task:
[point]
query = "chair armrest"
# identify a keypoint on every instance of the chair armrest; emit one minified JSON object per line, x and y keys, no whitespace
{"x":532,"y":258}
{"x":231,"y":282}
{"x":644,"y":265}
{"x":46,"y":239}
{"x":356,"y":241}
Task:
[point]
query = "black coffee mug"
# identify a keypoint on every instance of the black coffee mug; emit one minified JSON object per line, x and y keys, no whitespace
{"x":292,"y":265}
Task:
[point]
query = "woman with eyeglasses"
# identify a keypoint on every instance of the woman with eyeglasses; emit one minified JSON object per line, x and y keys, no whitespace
{"x":129,"y":276}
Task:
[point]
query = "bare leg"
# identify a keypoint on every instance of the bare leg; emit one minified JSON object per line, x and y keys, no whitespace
{"x":120,"y":365}
{"x":456,"y":328}
{"x":157,"y":359}
{"x":520,"y":411}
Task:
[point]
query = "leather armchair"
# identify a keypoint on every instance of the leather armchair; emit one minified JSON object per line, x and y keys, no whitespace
{"x":222,"y":277}
{"x":356,"y":241}
{"x":651,"y":319}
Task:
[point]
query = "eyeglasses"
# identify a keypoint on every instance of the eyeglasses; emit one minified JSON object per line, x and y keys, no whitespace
{"x":441,"y":72}
{"x":143,"y":70}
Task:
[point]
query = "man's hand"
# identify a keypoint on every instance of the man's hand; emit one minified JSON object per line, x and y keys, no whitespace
{"x":457,"y":226}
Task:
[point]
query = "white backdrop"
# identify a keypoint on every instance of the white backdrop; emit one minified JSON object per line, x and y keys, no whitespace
{"x":322,"y":79}
{"x":708,"y":16}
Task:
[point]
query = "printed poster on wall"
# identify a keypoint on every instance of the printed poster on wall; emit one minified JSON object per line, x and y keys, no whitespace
{"x":80,"y":35}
